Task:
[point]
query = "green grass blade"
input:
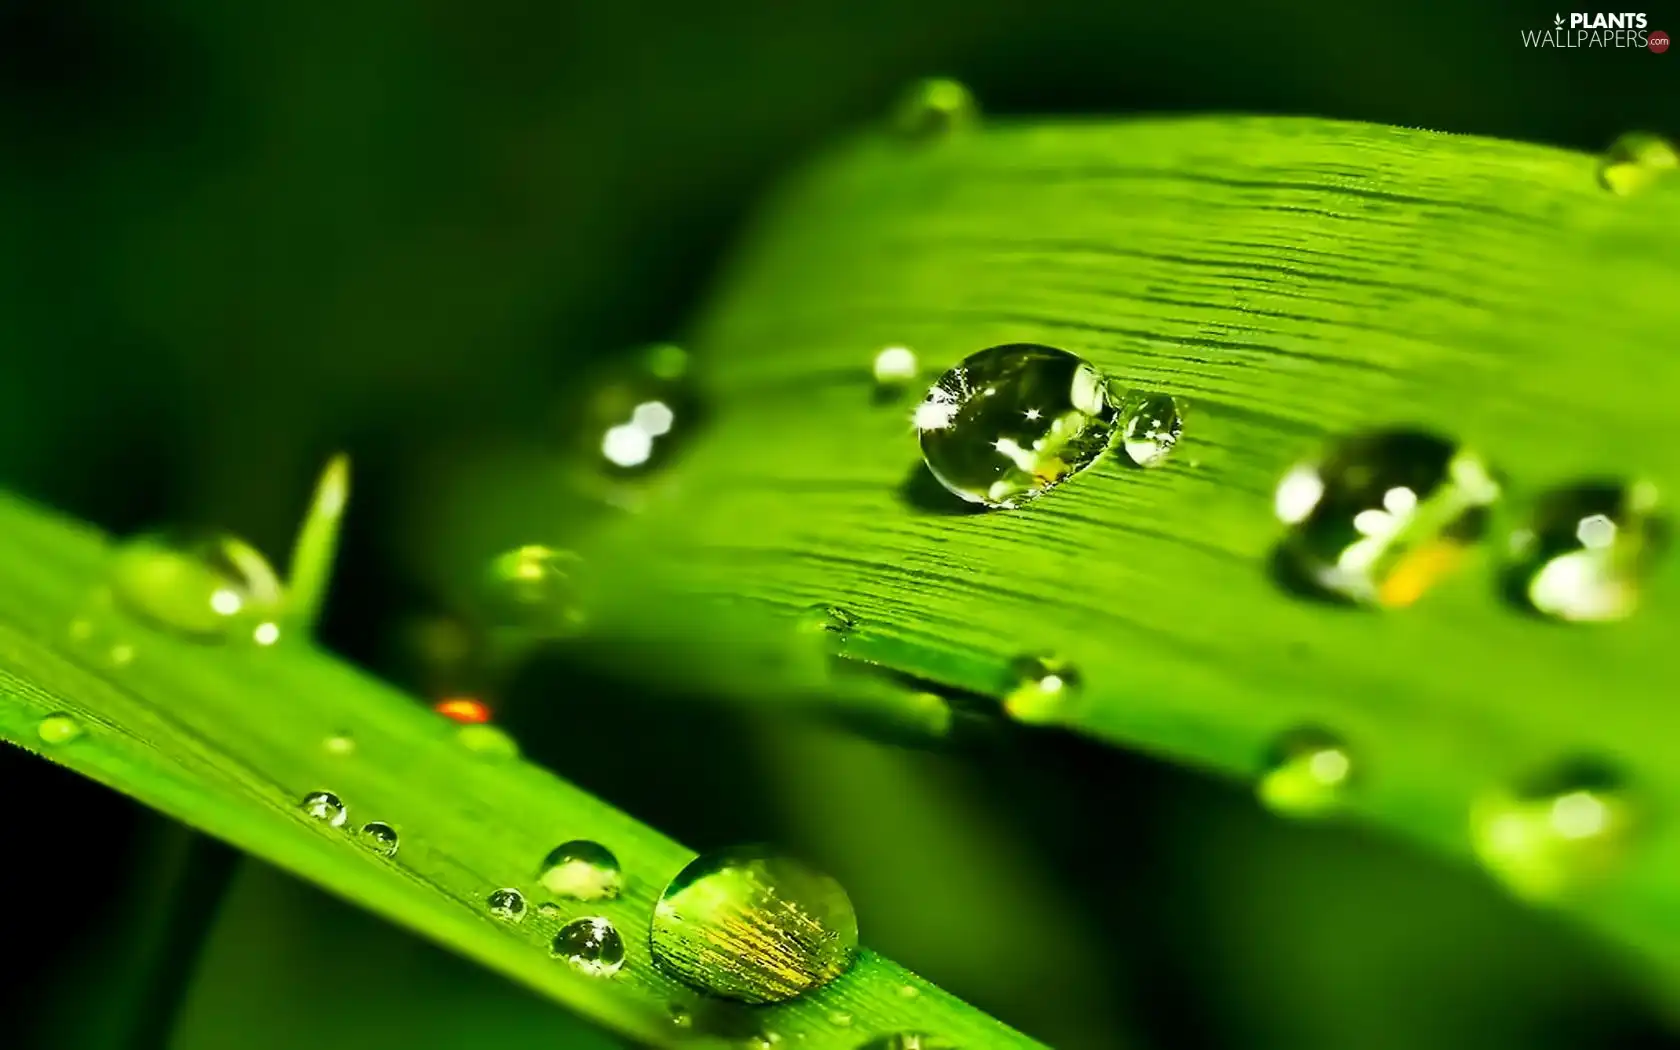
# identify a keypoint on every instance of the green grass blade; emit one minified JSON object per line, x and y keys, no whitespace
{"x":228,"y":739}
{"x":1294,"y":280}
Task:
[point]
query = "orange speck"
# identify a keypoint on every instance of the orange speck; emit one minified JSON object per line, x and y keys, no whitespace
{"x":463,"y":709}
{"x":1418,"y":571}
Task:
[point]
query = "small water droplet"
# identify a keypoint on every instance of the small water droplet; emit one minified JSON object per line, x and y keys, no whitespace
{"x":1041,"y":688}
{"x":548,"y":910}
{"x":908,"y":1041}
{"x":828,"y":619}
{"x":487,"y":740}
{"x":379,"y":837}
{"x":60,"y":728}
{"x":1554,"y":834}
{"x":1012,"y":422}
{"x":1151,"y":429}
{"x":535,"y":588}
{"x":591,"y":945}
{"x":582,"y":870}
{"x":205,"y":586}
{"x":896,"y":368}
{"x":909,"y":991}
{"x":638,"y":412}
{"x":1308,"y":772}
{"x":681,"y":1016}
{"x":933,"y":108}
{"x":1635,"y":161}
{"x":840,"y":1019}
{"x":765,"y":1040}
{"x":339,"y":744}
{"x":121,"y":654}
{"x":1587,"y":551}
{"x":1382,"y":517}
{"x":324,"y":805}
{"x":753,"y":925}
{"x":506,"y":903}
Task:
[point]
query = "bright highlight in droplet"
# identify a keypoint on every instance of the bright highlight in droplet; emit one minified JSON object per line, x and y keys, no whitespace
{"x":225,"y":602}
{"x":627,"y":445}
{"x":895,"y":364}
{"x":1579,"y":815}
{"x":1298,"y":493}
{"x":266,"y":633}
{"x":654,"y":418}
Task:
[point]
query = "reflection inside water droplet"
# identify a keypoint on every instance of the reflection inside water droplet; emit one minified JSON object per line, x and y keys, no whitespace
{"x":1308,"y":773}
{"x":1042,"y":688}
{"x":379,"y":837}
{"x":1587,"y":551}
{"x":582,"y":870}
{"x":204,"y":586}
{"x":1551,"y":835}
{"x":1010,"y":423}
{"x":1151,"y":429}
{"x":591,"y":945}
{"x":1635,"y":161}
{"x":506,"y":903}
{"x":325,"y":806}
{"x":933,"y":108}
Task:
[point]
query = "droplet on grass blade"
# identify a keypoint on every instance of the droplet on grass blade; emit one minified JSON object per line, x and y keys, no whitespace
{"x":582,"y":870}
{"x":507,"y":904}
{"x":908,"y":1041}
{"x":591,"y":945}
{"x":325,"y":806}
{"x":204,"y":586}
{"x":1587,"y":551}
{"x":1308,"y":773}
{"x":60,"y":728}
{"x":1041,"y":688}
{"x":535,"y":588}
{"x":379,"y":837}
{"x":1635,"y":161}
{"x":934,"y":108}
{"x":1552,"y":835}
{"x":1151,"y":429}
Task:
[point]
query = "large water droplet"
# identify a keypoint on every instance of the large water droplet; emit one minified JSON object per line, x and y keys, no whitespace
{"x":1041,"y":688}
{"x":753,"y":925}
{"x":933,"y":108}
{"x":1549,"y":836}
{"x":1586,"y":551}
{"x":58,"y":728}
{"x":324,"y":805}
{"x":379,"y":837}
{"x":1151,"y":428}
{"x":1010,"y":423}
{"x":535,"y":588}
{"x":1383,"y":516}
{"x":206,"y":586}
{"x":582,"y":870}
{"x":908,"y":1041}
{"x":1635,"y":161}
{"x":1308,"y":772}
{"x":639,"y":412}
{"x":591,"y":945}
{"x":506,"y":903}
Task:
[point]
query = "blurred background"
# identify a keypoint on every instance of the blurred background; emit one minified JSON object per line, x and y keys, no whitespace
{"x":235,"y":237}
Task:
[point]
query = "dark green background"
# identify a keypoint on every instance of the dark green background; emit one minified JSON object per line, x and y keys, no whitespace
{"x":236,"y":236}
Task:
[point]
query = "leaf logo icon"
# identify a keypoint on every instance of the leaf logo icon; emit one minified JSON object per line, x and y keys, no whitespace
{"x":1557,"y":20}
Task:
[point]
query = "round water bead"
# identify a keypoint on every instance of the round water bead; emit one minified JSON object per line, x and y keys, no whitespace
{"x":1010,"y":423}
{"x":535,"y":588}
{"x":1587,"y":551}
{"x":1383,"y":516}
{"x":591,"y":945}
{"x":895,"y":368}
{"x":58,"y":728}
{"x":933,"y":108}
{"x":908,"y":1041}
{"x":206,"y":586}
{"x":1040,"y":689}
{"x":582,"y":870}
{"x":379,"y":837}
{"x":1308,"y":771}
{"x":1635,"y":161}
{"x":753,"y":925}
{"x":324,"y":805}
{"x":487,"y":740}
{"x":1151,"y":428}
{"x":1555,"y":833}
{"x":506,"y":903}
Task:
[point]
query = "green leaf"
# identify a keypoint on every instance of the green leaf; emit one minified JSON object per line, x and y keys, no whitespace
{"x":228,"y":739}
{"x":1293,"y":280}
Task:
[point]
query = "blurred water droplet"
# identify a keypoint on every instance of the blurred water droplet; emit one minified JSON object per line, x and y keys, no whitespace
{"x":765,"y":1040}
{"x":908,"y":1041}
{"x":1554,"y":834}
{"x":1383,"y":516}
{"x":506,"y":903}
{"x":548,"y":910}
{"x":753,"y":925}
{"x":933,"y":108}
{"x":895,"y":369}
{"x":1012,"y":422}
{"x":487,"y":740}
{"x":535,"y":588}
{"x":339,"y":744}
{"x":827,"y":619}
{"x":1308,"y":772}
{"x":324,"y":805}
{"x":591,"y":945}
{"x":204,"y":586}
{"x":60,"y":728}
{"x":1586,"y":551}
{"x":1635,"y":161}
{"x":909,"y":991}
{"x":121,"y":654}
{"x":1041,"y":688}
{"x":1151,"y":429}
{"x":681,"y":1016}
{"x":582,"y":870}
{"x":463,"y":709}
{"x":638,"y":412}
{"x":840,"y":1019}
{"x":379,"y":837}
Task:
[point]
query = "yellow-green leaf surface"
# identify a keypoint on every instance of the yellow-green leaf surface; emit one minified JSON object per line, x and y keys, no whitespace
{"x":1293,"y":280}
{"x":228,"y":739}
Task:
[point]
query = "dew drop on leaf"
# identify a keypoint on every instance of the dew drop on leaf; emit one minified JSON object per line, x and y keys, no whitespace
{"x":1010,"y":423}
{"x":487,"y":740}
{"x":325,"y":806}
{"x":753,"y":925}
{"x":548,"y":910}
{"x":1308,"y":773}
{"x":591,"y":945}
{"x":1041,"y":688}
{"x":1635,"y":161}
{"x":379,"y":837}
{"x":1382,"y":517}
{"x":339,"y":744}
{"x":681,"y":1016}
{"x":840,"y":1019}
{"x":60,"y":728}
{"x":507,"y":904}
{"x":934,"y":108}
{"x":1550,"y":835}
{"x":908,"y":1041}
{"x":205,"y":586}
{"x":535,"y":588}
{"x":637,"y":413}
{"x":895,"y":369}
{"x":1586,"y":551}
{"x":1151,"y":429}
{"x":582,"y":870}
